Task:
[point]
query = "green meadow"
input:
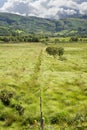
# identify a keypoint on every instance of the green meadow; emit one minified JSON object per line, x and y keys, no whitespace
{"x":26,"y":69}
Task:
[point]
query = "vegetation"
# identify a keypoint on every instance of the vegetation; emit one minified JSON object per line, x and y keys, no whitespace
{"x":74,"y":39}
{"x":5,"y":97}
{"x":27,"y":68}
{"x":55,"y":51}
{"x":11,"y":25}
{"x":14,"y":39}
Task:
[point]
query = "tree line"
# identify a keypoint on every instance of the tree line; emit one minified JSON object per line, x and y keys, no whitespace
{"x":19,"y":39}
{"x":39,"y":38}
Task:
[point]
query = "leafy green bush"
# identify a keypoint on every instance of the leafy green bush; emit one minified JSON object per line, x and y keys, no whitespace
{"x":57,"y":118}
{"x":74,"y":39}
{"x":20,"y":109}
{"x":3,"y":116}
{"x":7,"y":115}
{"x":60,"y":51}
{"x":28,"y":121}
{"x":6,"y":96}
{"x":10,"y":119}
{"x":31,"y":120}
{"x":55,"y":51}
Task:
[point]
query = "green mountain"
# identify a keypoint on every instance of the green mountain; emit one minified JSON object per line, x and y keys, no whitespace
{"x":11,"y":24}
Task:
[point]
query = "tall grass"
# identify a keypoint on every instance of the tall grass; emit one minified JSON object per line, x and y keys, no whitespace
{"x":25,"y":68}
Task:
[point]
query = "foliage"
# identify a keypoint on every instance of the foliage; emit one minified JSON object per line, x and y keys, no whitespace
{"x":20,"y":109}
{"x":10,"y":119}
{"x":19,"y":39}
{"x":60,"y":51}
{"x":55,"y":51}
{"x":74,"y":39}
{"x":15,"y":25}
{"x":58,"y":118}
{"x":5,"y":96}
{"x":26,"y":68}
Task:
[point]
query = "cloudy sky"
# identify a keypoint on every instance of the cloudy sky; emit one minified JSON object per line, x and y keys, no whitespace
{"x":45,"y":8}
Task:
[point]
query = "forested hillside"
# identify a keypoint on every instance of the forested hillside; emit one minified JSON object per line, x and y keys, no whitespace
{"x":11,"y":24}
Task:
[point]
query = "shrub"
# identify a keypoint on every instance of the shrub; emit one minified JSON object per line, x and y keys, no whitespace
{"x":7,"y":115}
{"x":74,"y":39}
{"x":58,"y":118}
{"x":56,"y":41}
{"x":5,"y":96}
{"x":51,"y":51}
{"x":6,"y":39}
{"x":3,"y":116}
{"x":28,"y":121}
{"x":55,"y":51}
{"x":60,"y":51}
{"x":20,"y":109}
{"x":10,"y":119}
{"x":35,"y":39}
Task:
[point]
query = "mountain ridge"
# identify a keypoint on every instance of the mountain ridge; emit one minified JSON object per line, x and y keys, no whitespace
{"x":10,"y":24}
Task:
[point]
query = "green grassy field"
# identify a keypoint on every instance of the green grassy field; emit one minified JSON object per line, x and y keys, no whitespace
{"x":27,"y":68}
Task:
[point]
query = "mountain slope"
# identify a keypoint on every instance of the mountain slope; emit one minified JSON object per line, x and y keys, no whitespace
{"x":12,"y":23}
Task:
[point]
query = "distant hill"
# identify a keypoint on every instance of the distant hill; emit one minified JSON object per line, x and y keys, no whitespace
{"x":11,"y":24}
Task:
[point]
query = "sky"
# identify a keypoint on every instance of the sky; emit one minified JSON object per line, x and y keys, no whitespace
{"x":45,"y":8}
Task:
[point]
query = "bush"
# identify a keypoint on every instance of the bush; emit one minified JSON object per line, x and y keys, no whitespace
{"x":58,"y":118}
{"x":7,"y":115}
{"x":20,"y":109}
{"x":10,"y":119}
{"x":60,"y":51}
{"x":5,"y":96}
{"x":51,"y":51}
{"x":6,"y":39}
{"x":56,"y":41}
{"x":74,"y":39}
{"x":28,"y":121}
{"x":3,"y":116}
{"x":35,"y":39}
{"x":55,"y":51}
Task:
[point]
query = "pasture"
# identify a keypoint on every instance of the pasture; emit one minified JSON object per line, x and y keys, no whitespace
{"x":25,"y":69}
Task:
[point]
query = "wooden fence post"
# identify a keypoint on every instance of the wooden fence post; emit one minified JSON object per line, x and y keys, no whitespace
{"x":41,"y":113}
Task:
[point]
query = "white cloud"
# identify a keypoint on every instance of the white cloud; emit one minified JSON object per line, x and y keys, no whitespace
{"x":83,"y":8}
{"x":46,"y":8}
